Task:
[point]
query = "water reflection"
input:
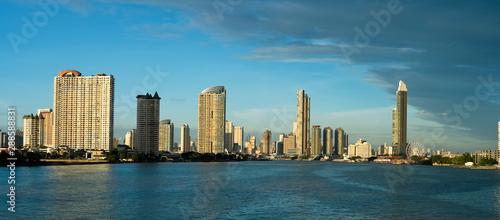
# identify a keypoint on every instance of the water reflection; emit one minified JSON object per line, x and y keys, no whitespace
{"x":276,"y":189}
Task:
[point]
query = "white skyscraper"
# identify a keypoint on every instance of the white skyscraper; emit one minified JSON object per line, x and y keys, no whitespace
{"x":211,"y":120}
{"x":83,"y":110}
{"x":238,"y":138}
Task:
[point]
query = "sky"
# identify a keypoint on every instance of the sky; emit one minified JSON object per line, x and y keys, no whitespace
{"x":348,"y":56}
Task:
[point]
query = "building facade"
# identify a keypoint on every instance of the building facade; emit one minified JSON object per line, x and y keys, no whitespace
{"x":361,"y":149}
{"x":185,"y":139}
{"x":229,"y":136}
{"x":166,"y":141}
{"x":48,"y":126}
{"x":148,"y":124}
{"x":238,"y":138}
{"x":266,"y":142}
{"x":340,"y":143}
{"x":83,"y":110}
{"x":399,"y":116}
{"x":328,"y":141}
{"x":290,"y":145}
{"x":303,"y":122}
{"x":33,"y":130}
{"x":212,"y":120}
{"x":316,"y":147}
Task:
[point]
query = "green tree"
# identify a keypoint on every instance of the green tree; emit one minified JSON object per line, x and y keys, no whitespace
{"x":123,"y":154}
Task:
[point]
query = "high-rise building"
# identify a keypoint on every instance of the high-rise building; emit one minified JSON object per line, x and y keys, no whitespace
{"x":399,"y":121}
{"x":328,"y":141}
{"x":290,"y":145}
{"x":131,"y":139}
{"x":185,"y":139}
{"x":395,"y":133}
{"x":211,"y":120}
{"x":33,"y":130}
{"x":238,"y":138}
{"x":19,"y":135}
{"x":4,"y":139}
{"x":229,"y":137}
{"x":83,"y":110}
{"x":303,"y":121}
{"x":166,"y":136}
{"x":266,"y":142}
{"x":316,"y":148}
{"x":382,"y":150}
{"x":48,"y":126}
{"x":128,"y":139}
{"x":340,"y":143}
{"x":148,"y":124}
{"x":279,"y":148}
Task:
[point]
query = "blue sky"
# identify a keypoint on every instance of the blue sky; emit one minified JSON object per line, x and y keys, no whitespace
{"x":263,"y":52}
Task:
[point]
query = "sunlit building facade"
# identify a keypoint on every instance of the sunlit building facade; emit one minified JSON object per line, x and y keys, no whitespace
{"x":212,"y":120}
{"x":83,"y":110}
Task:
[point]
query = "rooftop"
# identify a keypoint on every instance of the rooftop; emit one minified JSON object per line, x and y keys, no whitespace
{"x":214,"y":89}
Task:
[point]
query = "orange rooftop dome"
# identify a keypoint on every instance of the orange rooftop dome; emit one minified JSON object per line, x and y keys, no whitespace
{"x":76,"y":73}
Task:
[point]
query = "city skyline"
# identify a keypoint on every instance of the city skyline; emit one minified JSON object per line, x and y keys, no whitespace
{"x":181,"y":48}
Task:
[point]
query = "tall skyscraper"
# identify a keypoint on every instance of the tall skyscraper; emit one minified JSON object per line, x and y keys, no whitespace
{"x":266,"y":142}
{"x":316,"y":148}
{"x":148,"y":124}
{"x":340,"y":145}
{"x":238,"y":138}
{"x":33,"y":130}
{"x":211,"y":120}
{"x":395,"y":133}
{"x":48,"y":126}
{"x":328,"y":141}
{"x":185,"y":139}
{"x":166,"y":135}
{"x":399,"y":120}
{"x":303,"y":121}
{"x":229,"y":137}
{"x":83,"y":110}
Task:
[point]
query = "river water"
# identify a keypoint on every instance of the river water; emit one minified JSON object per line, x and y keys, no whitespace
{"x":253,"y":190}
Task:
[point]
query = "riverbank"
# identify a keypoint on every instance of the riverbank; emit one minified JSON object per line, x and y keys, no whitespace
{"x":69,"y":162}
{"x":495,"y":167}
